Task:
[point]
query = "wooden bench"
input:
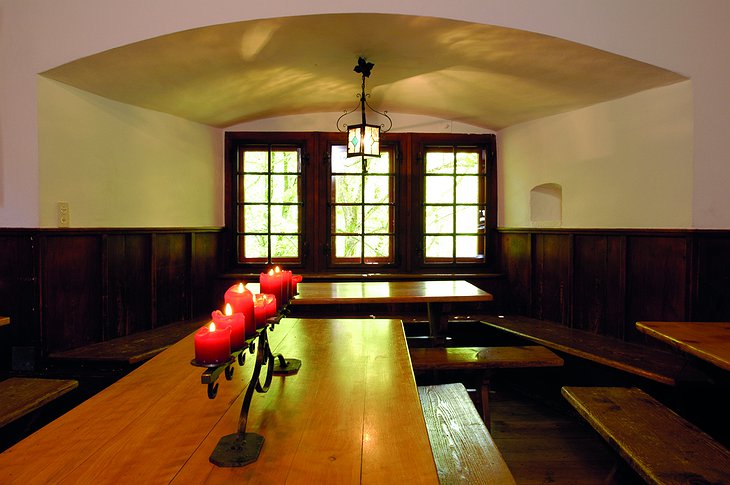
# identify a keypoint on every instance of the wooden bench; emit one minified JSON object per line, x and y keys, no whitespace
{"x":135,"y":348}
{"x":647,"y":362}
{"x":660,"y":446}
{"x":462,"y":447}
{"x":21,"y":396}
{"x":483,"y":360}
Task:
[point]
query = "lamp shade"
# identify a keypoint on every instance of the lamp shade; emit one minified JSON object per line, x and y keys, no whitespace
{"x":363,"y":140}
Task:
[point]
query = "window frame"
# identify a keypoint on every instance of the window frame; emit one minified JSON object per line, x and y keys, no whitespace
{"x":316,"y":177}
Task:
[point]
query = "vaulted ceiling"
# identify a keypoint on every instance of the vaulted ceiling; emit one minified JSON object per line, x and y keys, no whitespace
{"x":483,"y":75}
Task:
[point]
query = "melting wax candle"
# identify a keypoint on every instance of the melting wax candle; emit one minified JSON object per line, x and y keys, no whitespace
{"x":236,"y":321}
{"x":212,"y":345}
{"x":241,"y":301}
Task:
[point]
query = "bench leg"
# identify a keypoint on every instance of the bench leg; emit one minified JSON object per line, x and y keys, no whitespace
{"x":484,"y":396}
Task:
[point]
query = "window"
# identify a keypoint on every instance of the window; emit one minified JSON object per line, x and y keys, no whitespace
{"x":362,"y":208}
{"x":268,"y":204}
{"x":427,"y":204}
{"x":454,"y":204}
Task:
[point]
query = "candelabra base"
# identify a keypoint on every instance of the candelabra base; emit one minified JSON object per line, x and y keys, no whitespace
{"x":286,"y":367}
{"x":235,"y":450}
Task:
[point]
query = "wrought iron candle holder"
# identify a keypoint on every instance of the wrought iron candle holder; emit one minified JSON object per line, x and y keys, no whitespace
{"x":241,"y":448}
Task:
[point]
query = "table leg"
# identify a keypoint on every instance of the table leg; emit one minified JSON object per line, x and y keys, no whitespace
{"x":437,"y":320}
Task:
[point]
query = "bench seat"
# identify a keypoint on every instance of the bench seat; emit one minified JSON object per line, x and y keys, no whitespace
{"x":462,"y":447}
{"x":132,"y":349}
{"x":483,"y":360}
{"x":21,"y":396}
{"x":660,"y":446}
{"x":647,"y":362}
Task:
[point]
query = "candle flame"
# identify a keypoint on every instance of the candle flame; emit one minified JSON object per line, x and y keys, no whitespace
{"x":240,"y":288}
{"x":271,"y":272}
{"x":211,"y":327}
{"x":228,"y":310}
{"x":277,"y":270}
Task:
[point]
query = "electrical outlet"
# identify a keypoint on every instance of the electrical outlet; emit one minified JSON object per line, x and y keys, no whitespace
{"x":64,"y":214}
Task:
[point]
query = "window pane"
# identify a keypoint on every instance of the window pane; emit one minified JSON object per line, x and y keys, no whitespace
{"x":377,"y":189}
{"x":347,"y":188}
{"x":439,"y":219}
{"x":342,"y":164}
{"x":348,"y":219}
{"x":439,"y":247}
{"x":467,"y":218}
{"x":284,"y":188}
{"x":467,"y":246}
{"x":377,"y":246}
{"x":439,"y":162}
{"x":255,"y":218}
{"x":377,"y":219}
{"x":347,"y":246}
{"x":256,"y":188}
{"x":379,"y":164}
{"x":285,"y":161}
{"x":254,"y":161}
{"x":467,"y":189}
{"x":284,"y":246}
{"x":284,"y":218}
{"x":256,"y":246}
{"x":439,"y":190}
{"x":467,"y":162}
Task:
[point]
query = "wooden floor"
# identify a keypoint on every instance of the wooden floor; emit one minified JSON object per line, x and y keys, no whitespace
{"x":544,"y":443}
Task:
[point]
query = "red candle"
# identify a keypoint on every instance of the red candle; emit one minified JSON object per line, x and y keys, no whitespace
{"x":271,"y":283}
{"x":259,"y":310}
{"x":212,"y":345}
{"x":286,"y":292}
{"x":270,"y":306}
{"x":297,"y":278}
{"x":236,"y":321}
{"x":241,"y":301}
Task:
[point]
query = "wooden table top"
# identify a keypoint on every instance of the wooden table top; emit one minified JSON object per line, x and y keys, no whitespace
{"x":351,"y":415}
{"x":709,"y":341}
{"x":4,"y":320}
{"x":321,"y":293}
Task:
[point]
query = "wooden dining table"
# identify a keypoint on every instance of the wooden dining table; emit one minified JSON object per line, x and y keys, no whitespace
{"x":433,"y":293}
{"x":708,"y":341}
{"x":350,"y":415}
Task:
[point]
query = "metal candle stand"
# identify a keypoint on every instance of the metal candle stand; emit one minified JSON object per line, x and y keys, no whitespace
{"x":242,"y":448}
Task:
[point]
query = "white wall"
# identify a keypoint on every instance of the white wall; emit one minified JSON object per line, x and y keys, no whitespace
{"x":687,"y":36}
{"x":122,"y":166}
{"x":623,"y":163}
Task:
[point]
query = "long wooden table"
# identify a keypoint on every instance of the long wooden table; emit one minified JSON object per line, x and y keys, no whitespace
{"x":433,"y":293}
{"x":709,"y":341}
{"x":351,"y":415}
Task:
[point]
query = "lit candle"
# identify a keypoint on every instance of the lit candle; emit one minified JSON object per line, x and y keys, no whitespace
{"x":212,"y":345}
{"x":236,"y":321}
{"x":270,"y":305}
{"x":271,"y":283}
{"x":259,"y":309}
{"x":241,"y":301}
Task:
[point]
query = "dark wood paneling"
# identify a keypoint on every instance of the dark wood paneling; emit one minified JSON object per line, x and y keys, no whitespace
{"x":551,"y":283}
{"x":515,"y":262}
{"x":712,"y":287}
{"x":18,"y":293}
{"x":657,"y":281}
{"x":171,"y":256}
{"x":203,"y":270}
{"x":599,"y":284}
{"x":129,"y":283}
{"x":71,"y":284}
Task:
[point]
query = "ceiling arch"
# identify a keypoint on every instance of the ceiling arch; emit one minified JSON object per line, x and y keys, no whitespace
{"x":487,"y":76}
